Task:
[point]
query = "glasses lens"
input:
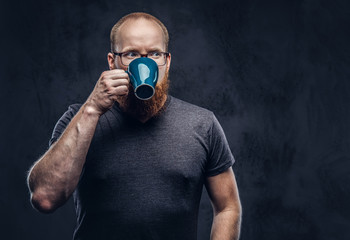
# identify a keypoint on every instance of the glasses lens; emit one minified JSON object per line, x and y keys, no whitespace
{"x":158,"y":57}
{"x":128,"y":57}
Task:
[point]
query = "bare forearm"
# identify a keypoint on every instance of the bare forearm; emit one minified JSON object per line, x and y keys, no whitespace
{"x":54,"y":177}
{"x":226,"y":225}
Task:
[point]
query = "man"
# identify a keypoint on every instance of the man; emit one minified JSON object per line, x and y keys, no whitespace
{"x":136,"y":168}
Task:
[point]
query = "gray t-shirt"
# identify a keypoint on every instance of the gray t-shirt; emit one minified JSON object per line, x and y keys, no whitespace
{"x":144,"y":180}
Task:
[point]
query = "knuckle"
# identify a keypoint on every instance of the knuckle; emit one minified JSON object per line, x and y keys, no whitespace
{"x":125,"y":82}
{"x":102,"y":79}
{"x":103,"y":74}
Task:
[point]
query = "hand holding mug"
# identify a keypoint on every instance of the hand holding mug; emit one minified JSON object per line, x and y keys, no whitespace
{"x":109,"y":87}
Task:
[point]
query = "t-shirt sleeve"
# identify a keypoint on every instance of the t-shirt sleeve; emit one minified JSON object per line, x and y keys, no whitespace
{"x":220,"y":155}
{"x":63,"y":122}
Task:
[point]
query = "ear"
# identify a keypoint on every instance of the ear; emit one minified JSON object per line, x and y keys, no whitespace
{"x":168,"y":61}
{"x":111,"y":61}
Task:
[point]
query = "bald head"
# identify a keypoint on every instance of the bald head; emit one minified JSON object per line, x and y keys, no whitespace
{"x":139,"y":18}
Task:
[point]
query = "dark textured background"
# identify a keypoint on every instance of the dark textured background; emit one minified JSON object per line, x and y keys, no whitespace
{"x":276,"y":74}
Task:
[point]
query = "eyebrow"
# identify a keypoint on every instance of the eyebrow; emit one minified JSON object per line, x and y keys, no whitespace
{"x":148,"y":50}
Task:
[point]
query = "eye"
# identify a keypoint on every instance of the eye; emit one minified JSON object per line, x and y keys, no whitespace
{"x":130,"y":54}
{"x":154,"y":54}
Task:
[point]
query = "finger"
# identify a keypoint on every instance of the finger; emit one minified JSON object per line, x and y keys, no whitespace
{"x":107,"y":75}
{"x":117,"y":82}
{"x":121,"y":90}
{"x":119,"y":75}
{"x":115,"y":72}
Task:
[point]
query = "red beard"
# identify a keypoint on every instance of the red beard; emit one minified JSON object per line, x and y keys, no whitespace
{"x":145,"y":109}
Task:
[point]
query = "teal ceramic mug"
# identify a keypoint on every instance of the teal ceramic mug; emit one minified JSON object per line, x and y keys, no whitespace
{"x":143,"y":73}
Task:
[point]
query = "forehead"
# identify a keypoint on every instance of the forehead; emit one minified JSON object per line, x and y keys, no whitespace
{"x":140,"y":34}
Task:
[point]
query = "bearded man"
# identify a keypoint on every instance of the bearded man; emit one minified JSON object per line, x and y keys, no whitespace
{"x":136,"y":168}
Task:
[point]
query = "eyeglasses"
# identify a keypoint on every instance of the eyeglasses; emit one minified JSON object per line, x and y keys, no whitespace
{"x":158,"y":57}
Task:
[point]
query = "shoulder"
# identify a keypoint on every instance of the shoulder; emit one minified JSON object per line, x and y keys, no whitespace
{"x":190,"y":113}
{"x":189,"y":108}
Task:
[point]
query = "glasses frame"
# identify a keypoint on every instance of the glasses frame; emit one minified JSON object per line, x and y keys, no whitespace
{"x":142,"y":55}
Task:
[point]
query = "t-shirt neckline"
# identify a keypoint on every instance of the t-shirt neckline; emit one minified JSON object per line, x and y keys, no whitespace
{"x":133,"y":120}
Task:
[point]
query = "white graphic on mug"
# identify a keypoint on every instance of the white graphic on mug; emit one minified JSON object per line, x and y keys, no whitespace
{"x":144,"y":72}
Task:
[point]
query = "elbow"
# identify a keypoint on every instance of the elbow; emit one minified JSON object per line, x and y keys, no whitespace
{"x":233,"y":207}
{"x":42,"y":203}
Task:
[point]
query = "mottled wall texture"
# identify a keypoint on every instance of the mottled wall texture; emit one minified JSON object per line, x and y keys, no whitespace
{"x":276,"y":73}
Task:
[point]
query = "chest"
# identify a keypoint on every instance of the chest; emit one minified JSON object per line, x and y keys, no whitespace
{"x":166,"y":152}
